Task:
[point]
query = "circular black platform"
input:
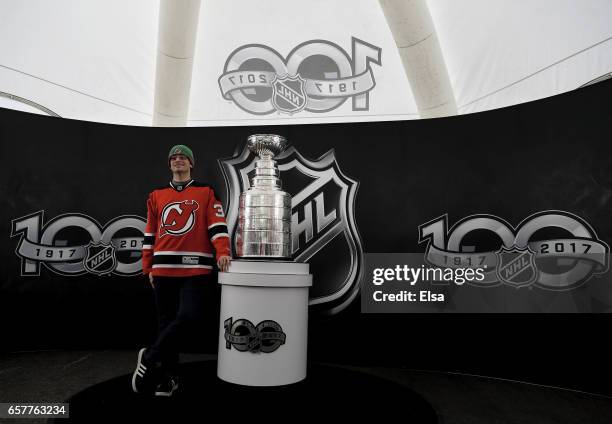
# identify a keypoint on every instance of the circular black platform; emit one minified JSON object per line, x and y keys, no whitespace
{"x":327,"y":392}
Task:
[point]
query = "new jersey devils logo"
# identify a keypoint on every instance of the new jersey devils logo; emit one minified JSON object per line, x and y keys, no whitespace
{"x":178,"y":217}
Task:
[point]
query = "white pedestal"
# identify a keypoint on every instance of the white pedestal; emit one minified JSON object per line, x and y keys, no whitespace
{"x":264,"y":323}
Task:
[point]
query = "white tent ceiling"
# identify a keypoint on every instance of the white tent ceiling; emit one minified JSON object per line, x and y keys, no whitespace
{"x":95,"y":60}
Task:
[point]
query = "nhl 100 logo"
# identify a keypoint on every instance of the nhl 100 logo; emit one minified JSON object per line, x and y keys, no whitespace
{"x":317,"y":76}
{"x":75,"y":244}
{"x":244,"y":336}
{"x":553,"y":250}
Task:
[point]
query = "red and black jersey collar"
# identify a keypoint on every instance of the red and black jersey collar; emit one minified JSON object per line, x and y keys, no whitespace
{"x":181,"y":186}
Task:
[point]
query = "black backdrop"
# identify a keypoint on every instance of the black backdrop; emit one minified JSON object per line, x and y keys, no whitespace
{"x":512,"y":162}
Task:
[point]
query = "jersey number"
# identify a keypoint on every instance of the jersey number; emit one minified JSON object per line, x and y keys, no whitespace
{"x":219,"y":210}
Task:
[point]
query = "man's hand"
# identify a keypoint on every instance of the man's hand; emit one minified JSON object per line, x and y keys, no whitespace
{"x":151,"y":279}
{"x":223,"y":263}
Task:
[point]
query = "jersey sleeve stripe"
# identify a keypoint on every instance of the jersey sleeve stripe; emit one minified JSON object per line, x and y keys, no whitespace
{"x":215,"y":231}
{"x":218,"y":235}
{"x":216,"y":224}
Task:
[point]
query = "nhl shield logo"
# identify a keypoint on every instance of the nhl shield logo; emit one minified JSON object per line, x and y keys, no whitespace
{"x":100,"y":258}
{"x":289,"y":94}
{"x":516,"y":267}
{"x":324,"y":232}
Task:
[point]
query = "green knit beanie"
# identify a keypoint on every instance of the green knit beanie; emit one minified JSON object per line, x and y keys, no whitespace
{"x":181,"y":149}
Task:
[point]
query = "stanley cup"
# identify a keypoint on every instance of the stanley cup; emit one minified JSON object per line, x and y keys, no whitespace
{"x":264,"y":220}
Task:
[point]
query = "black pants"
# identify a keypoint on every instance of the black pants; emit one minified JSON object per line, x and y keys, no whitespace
{"x":186,"y":309}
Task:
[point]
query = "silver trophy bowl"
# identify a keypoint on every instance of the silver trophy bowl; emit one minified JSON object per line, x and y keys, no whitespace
{"x":267,"y":145}
{"x":264,"y":218}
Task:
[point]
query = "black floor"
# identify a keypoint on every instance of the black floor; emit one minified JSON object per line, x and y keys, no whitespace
{"x":97,"y":385}
{"x":327,"y":393}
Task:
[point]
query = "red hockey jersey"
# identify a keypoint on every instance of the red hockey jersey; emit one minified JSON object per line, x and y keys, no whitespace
{"x":185,"y":226}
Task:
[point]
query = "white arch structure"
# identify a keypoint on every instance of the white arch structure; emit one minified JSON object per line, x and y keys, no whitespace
{"x":98,"y":60}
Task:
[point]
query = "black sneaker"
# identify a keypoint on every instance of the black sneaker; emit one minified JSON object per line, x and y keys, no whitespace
{"x":167,"y":387}
{"x":143,"y":379}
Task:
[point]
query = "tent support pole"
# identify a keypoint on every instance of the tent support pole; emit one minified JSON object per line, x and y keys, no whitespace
{"x":417,"y":42}
{"x":178,"y":27}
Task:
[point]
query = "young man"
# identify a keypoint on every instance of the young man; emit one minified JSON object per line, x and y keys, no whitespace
{"x":185,"y":234}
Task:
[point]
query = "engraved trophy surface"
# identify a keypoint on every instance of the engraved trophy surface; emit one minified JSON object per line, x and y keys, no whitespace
{"x":264,"y":220}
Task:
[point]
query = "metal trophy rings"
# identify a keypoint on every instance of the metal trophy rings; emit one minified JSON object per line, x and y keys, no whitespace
{"x":264,"y":220}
